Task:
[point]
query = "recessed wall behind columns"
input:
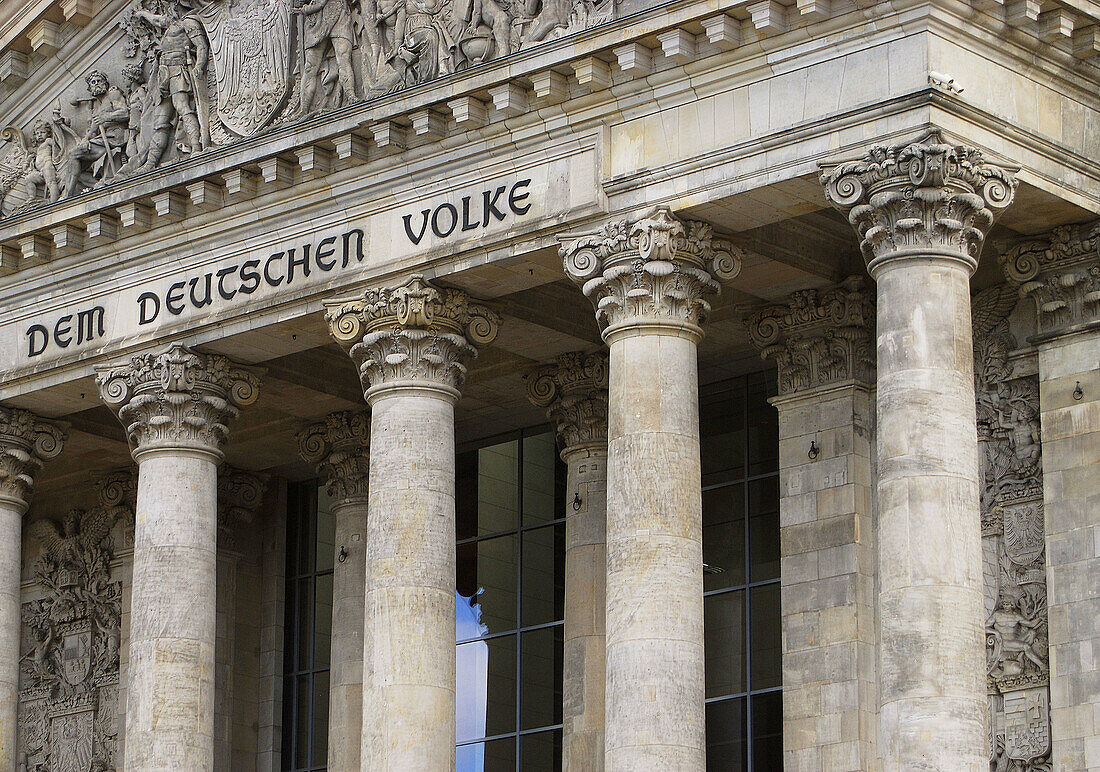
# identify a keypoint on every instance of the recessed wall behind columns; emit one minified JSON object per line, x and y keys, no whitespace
{"x":829,"y":700}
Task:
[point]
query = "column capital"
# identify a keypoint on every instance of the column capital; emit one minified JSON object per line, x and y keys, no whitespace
{"x":411,"y":335}
{"x":652,"y":272}
{"x":178,"y":399}
{"x":26,"y":442}
{"x":339,"y":446}
{"x":1060,"y":272}
{"x":924,"y":199}
{"x":240,"y":495}
{"x":818,"y":337}
{"x":573,"y":389}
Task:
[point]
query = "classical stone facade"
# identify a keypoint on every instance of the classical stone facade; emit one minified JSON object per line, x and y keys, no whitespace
{"x":296,"y":295}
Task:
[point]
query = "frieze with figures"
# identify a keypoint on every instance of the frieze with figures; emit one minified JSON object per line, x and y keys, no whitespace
{"x":202,"y":75}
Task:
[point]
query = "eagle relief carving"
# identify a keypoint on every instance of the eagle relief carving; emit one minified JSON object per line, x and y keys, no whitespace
{"x":71,"y":640}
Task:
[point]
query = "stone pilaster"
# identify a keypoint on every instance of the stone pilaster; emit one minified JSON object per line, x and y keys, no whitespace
{"x":823,"y":344}
{"x":648,"y":281}
{"x":574,"y":391}
{"x":922,"y":211}
{"x":26,"y":442}
{"x":240,"y":495}
{"x":410,"y":343}
{"x":176,"y":408}
{"x":1060,"y":272}
{"x":339,"y":448}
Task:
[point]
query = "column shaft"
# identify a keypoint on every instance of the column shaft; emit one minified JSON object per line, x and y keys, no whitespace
{"x":409,"y":616}
{"x":932,"y":660}
{"x":11,"y":535}
{"x":170,"y":690}
{"x":585,"y":603}
{"x":655,"y":689}
{"x":348,"y":595}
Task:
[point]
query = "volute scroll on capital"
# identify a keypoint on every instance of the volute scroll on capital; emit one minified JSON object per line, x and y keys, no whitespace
{"x":178,"y":399}
{"x":573,"y":389}
{"x":656,"y":269}
{"x":339,"y":447}
{"x":922,"y":198}
{"x":412,"y":332}
{"x":26,"y":442}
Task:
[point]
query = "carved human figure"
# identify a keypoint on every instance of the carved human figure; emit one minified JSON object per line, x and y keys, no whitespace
{"x":137,"y":97}
{"x":325,"y":24}
{"x":47,"y":157}
{"x":103,"y":145}
{"x":183,"y":55}
{"x":549,"y":15}
{"x":478,"y":19}
{"x":1018,"y":634}
{"x":422,"y":43}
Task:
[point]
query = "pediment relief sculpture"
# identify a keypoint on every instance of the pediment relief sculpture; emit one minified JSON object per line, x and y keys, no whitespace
{"x":197,"y":75}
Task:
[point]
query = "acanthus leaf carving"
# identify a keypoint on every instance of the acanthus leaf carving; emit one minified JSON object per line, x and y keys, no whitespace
{"x":920,"y":198}
{"x":412,"y":332}
{"x":177,"y":399}
{"x":26,"y":442}
{"x":659,"y":269}
{"x":573,"y":389}
{"x":240,"y":495}
{"x":339,"y":447}
{"x":818,"y":338}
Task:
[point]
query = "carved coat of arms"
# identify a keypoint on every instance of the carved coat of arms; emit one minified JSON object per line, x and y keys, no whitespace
{"x":1027,"y":724}
{"x":250,"y":47}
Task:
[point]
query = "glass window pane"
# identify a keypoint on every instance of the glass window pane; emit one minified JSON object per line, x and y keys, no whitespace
{"x":541,"y":671}
{"x":724,"y":537}
{"x":764,"y":529}
{"x":320,"y":719}
{"x":541,"y":752}
{"x":540,"y":457}
{"x":763,"y":436}
{"x":767,"y":731}
{"x":301,"y":732}
{"x":767,"y":660}
{"x":485,"y":696}
{"x":727,"y":749}
{"x":488,"y":569}
{"x":322,"y":621}
{"x":290,"y":646}
{"x":498,"y":487}
{"x":326,"y":531}
{"x":466,"y":495}
{"x":307,"y":512}
{"x":722,"y":433}
{"x":305,"y":636}
{"x":495,"y":756}
{"x":724,"y":630}
{"x":543,"y":575}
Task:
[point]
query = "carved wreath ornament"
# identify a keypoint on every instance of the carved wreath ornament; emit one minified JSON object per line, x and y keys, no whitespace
{"x":657,"y":269}
{"x":922,"y":198}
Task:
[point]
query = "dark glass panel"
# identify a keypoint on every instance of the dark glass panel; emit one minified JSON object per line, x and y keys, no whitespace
{"x":498,"y":487}
{"x":488,"y":570}
{"x":466,"y":495}
{"x":763,"y":434}
{"x":301,"y":731}
{"x":495,"y":756}
{"x":541,"y":671}
{"x":305,"y":637}
{"x":767,"y":731}
{"x":724,"y":630}
{"x":540,"y":457}
{"x":724,"y":537}
{"x":722,"y":432}
{"x":307,"y":510}
{"x":322,"y":621}
{"x":541,"y":752}
{"x":764,"y":529}
{"x":543,"y":575}
{"x":767,"y":637}
{"x":486,"y":688}
{"x":727,"y":749}
{"x":326,"y":531}
{"x":320,"y":719}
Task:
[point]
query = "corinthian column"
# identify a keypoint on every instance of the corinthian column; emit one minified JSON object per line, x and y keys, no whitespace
{"x":176,"y":408}
{"x":647,"y":280}
{"x":26,"y":441}
{"x":922,"y":211}
{"x":339,"y":448}
{"x":410,"y":344}
{"x":574,"y":391}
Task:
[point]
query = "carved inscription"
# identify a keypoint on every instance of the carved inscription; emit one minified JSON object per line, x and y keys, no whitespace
{"x":473,"y":213}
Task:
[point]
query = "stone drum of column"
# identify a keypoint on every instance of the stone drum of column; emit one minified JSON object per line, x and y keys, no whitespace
{"x":574,"y":391}
{"x":26,"y":441}
{"x":922,"y":211}
{"x":647,"y":280}
{"x":176,"y":408}
{"x":410,"y":343}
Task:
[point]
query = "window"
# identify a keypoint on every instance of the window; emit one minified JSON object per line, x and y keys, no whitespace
{"x":510,"y":604}
{"x":740,"y":444}
{"x":308,"y":630}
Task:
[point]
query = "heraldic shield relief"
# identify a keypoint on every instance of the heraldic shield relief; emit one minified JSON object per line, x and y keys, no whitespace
{"x":250,"y":48}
